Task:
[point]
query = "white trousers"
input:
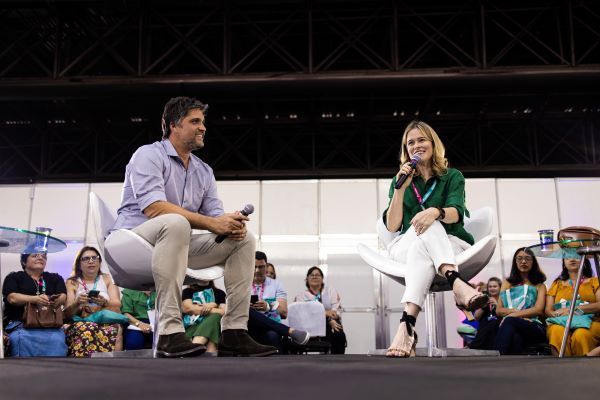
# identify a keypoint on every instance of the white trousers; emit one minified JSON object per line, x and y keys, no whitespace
{"x":423,"y":255}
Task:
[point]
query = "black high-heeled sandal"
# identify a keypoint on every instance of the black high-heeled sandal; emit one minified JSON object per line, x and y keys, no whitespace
{"x":411,"y":338}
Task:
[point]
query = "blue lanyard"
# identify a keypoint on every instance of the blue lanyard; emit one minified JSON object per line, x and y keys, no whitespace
{"x":423,"y":199}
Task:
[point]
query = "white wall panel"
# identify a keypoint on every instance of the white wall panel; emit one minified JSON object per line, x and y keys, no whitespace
{"x":236,"y":194}
{"x":16,"y":205}
{"x":290,"y":208}
{"x":526,"y":205}
{"x":348,"y":206}
{"x":62,"y":207}
{"x":291,"y":261}
{"x":578,"y":201}
{"x":383,"y":192}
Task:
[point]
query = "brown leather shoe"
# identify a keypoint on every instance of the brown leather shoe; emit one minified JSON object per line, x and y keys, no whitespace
{"x":466,"y":297}
{"x":237,"y":343}
{"x":178,"y":345}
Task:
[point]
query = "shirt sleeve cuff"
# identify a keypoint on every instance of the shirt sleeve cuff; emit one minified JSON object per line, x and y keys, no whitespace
{"x":149,"y":198}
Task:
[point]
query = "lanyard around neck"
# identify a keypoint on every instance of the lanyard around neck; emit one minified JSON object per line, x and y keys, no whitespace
{"x":258,"y":289}
{"x":423,"y":199}
{"x":85,"y":285}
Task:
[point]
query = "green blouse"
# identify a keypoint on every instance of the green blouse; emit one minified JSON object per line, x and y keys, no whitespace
{"x":448,"y":192}
{"x":136,"y":303}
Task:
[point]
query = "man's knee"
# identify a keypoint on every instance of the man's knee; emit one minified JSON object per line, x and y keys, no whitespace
{"x":175,"y":224}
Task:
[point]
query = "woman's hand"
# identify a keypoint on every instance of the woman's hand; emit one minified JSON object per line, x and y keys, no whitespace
{"x":101,"y":301}
{"x":335,"y":326}
{"x":331,"y":314}
{"x":560,"y":312}
{"x":424,"y":219}
{"x":41,"y":300}
{"x":146,"y":328}
{"x":492,"y":301}
{"x":82,"y":299}
{"x":405,"y":169}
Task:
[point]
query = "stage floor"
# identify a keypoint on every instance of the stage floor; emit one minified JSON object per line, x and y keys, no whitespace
{"x":299,"y":377}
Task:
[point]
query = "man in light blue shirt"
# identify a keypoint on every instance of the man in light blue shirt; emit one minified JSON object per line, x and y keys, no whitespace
{"x":167,"y":192}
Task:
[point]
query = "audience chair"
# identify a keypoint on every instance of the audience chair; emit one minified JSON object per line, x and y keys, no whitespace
{"x":128,"y":257}
{"x":309,"y":316}
{"x":470,"y":263}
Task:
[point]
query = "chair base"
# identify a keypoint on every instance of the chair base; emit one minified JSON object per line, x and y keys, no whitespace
{"x":444,"y":352}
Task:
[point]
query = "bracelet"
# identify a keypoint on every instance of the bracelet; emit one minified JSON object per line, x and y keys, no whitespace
{"x":442,"y":214}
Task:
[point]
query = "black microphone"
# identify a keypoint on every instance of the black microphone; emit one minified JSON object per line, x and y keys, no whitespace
{"x":248,"y":209}
{"x":414,"y":160}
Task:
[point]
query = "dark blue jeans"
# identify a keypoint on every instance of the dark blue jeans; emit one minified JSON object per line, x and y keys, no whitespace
{"x":515,"y":334}
{"x":265,"y":330}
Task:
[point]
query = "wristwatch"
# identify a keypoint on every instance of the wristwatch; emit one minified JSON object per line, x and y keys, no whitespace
{"x":442,"y":214}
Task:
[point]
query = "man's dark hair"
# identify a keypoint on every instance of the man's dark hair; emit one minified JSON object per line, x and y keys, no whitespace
{"x":176,"y":109}
{"x":260,"y":256}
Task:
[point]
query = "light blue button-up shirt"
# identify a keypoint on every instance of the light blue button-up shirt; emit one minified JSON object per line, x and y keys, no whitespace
{"x":156,"y":173}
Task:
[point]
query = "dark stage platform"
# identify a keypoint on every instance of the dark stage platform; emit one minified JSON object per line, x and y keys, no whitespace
{"x":299,"y":377}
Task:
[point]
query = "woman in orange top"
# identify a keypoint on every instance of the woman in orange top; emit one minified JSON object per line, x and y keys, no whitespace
{"x":581,"y":340}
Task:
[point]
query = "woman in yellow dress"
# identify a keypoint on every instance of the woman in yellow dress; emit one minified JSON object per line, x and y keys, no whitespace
{"x":581,"y":340}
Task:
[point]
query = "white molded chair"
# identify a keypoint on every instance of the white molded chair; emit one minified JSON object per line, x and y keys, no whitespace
{"x":129,"y":258}
{"x":127,"y":255}
{"x":307,"y":316}
{"x":470,"y":263}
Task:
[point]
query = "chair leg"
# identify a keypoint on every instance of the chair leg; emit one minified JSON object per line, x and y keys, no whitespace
{"x":155,"y":328}
{"x":430,"y":323}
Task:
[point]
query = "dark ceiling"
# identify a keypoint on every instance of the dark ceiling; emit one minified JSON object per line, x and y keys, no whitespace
{"x":301,"y":89}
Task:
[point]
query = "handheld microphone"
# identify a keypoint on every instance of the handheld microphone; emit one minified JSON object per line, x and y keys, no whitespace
{"x":248,"y":209}
{"x":414,"y":160}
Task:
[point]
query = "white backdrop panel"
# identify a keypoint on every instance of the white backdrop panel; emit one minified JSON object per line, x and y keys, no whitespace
{"x":62,"y":207}
{"x":291,"y":261}
{"x":578,"y":201}
{"x":290,"y":208}
{"x":16,"y":205}
{"x":527,"y":205}
{"x":348,"y":206}
{"x":236,"y":194}
{"x":353,"y":280}
{"x":360,"y":332}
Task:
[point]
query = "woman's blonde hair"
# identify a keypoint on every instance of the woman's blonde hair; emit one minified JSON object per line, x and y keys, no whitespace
{"x":439,"y":163}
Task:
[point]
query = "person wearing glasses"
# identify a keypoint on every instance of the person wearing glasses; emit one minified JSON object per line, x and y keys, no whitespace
{"x":521,"y":304}
{"x":427,"y":209}
{"x":33,"y":285}
{"x":89,"y":292}
{"x":585,"y":332}
{"x":330,"y":298}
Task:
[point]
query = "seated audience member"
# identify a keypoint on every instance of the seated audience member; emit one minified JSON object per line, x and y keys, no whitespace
{"x":203,"y":305}
{"x":521,"y":303}
{"x":271,"y":301}
{"x":330,"y":298}
{"x":271,"y":273}
{"x":94,"y":305}
{"x":135,"y":305}
{"x":487,"y":317}
{"x":584,"y":332}
{"x":33,"y":285}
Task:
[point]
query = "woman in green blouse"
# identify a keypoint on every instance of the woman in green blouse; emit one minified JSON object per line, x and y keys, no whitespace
{"x":427,"y":210}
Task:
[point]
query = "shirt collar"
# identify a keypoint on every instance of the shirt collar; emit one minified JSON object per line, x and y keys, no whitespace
{"x":170,"y":149}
